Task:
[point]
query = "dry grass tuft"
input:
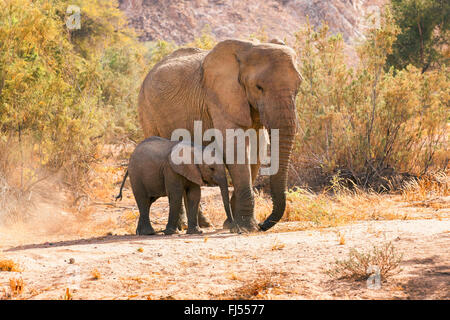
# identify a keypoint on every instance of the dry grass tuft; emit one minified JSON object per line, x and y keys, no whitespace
{"x":233,"y":276}
{"x":251,"y":290}
{"x":263,"y":205}
{"x":221,"y":257}
{"x":341,"y":238}
{"x":427,"y":188}
{"x":317,"y":210}
{"x":67,"y":295}
{"x":278,"y":246}
{"x":96,"y":275}
{"x":139,"y":280}
{"x":359,"y":265}
{"x":16,"y":286}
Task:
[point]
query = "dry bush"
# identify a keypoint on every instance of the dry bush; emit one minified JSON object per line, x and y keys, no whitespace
{"x":368,"y":122}
{"x":9,"y":265}
{"x":63,"y":94}
{"x":358,"y":264}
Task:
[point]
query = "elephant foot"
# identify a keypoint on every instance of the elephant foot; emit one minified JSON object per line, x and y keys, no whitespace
{"x":227,"y":224}
{"x":248,"y":225}
{"x":169,"y":231}
{"x":145,"y":230}
{"x":203,"y":221}
{"x":195,"y":230}
{"x":235,"y":228}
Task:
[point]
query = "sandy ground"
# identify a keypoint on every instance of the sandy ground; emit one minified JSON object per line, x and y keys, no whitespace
{"x":220,"y":265}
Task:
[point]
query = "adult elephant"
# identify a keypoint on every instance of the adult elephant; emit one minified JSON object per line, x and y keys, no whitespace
{"x":238,"y":84}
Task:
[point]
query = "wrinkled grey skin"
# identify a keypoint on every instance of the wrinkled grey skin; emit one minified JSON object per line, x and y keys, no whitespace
{"x":236,"y":85}
{"x":153,"y":175}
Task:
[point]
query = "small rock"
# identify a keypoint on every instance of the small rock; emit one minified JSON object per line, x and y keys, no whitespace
{"x":71,"y":261}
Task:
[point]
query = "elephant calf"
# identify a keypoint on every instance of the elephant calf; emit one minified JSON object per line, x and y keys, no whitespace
{"x":153,"y":174}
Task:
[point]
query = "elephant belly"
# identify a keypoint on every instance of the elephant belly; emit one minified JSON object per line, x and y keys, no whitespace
{"x":152,"y":184}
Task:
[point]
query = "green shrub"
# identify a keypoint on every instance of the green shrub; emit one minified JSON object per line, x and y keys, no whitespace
{"x":63,"y":93}
{"x":360,"y":265}
{"x":364,"y":120}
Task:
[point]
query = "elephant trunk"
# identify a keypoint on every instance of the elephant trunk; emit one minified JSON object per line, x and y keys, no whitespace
{"x":278,"y":182}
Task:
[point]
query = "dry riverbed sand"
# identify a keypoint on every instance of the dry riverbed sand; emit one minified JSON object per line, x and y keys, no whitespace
{"x":220,"y":265}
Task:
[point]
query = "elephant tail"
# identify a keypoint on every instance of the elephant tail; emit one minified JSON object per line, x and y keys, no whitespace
{"x":119,"y":196}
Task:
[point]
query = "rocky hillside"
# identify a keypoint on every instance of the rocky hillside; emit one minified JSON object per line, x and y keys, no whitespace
{"x":182,"y":20}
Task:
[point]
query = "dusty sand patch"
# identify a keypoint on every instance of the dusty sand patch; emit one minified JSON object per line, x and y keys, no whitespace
{"x":219,"y":265}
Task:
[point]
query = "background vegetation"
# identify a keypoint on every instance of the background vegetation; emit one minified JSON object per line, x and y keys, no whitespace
{"x":424,"y":39}
{"x":370,"y":121}
{"x":64,"y":94}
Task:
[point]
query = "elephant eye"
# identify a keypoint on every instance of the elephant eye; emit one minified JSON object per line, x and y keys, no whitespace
{"x":259,"y":88}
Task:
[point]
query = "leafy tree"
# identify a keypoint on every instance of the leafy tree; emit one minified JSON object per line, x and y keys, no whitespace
{"x":424,"y":38}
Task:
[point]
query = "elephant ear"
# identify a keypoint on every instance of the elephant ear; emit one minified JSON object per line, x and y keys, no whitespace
{"x":187,"y":168}
{"x":221,"y":69}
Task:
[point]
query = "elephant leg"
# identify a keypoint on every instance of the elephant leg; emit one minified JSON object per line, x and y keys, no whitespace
{"x":192,"y":199}
{"x":242,"y":200}
{"x":254,"y":168}
{"x":254,"y":171}
{"x":203,"y":220}
{"x":228,"y":224}
{"x":175,"y":204}
{"x":144,"y":226}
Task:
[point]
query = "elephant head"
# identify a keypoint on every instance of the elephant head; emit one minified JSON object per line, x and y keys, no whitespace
{"x":254,"y":85}
{"x":203,"y":174}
